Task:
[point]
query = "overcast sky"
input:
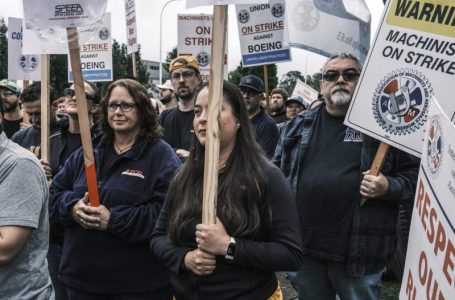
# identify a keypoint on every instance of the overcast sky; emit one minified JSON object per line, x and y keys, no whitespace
{"x":148,"y":19}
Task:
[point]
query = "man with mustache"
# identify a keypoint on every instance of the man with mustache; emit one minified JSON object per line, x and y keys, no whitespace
{"x":251,"y":88}
{"x":346,"y":245}
{"x":178,"y":122}
{"x":167,"y":95}
{"x":278,"y":97}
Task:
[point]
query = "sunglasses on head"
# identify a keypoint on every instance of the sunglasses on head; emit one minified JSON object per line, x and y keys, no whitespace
{"x":348,"y":75}
{"x":71,"y":93}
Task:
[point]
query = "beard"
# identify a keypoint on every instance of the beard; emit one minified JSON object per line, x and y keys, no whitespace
{"x":10,"y":106}
{"x":166,"y":99}
{"x":340,"y":95}
{"x":276,"y":107}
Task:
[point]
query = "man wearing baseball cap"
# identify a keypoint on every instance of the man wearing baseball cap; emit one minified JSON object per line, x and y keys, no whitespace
{"x":167,"y":95}
{"x":265,"y":127}
{"x":178,"y":122}
{"x":12,"y":119}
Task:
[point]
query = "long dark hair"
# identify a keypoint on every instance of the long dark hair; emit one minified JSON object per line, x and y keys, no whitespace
{"x":148,"y":119}
{"x":241,"y":201}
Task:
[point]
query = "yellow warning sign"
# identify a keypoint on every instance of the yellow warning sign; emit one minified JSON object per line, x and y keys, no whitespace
{"x":433,"y":16}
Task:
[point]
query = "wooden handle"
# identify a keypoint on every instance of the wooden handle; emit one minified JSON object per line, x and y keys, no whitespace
{"x":82,"y":113}
{"x":45,"y":107}
{"x":212,"y":145}
{"x":376,"y":166}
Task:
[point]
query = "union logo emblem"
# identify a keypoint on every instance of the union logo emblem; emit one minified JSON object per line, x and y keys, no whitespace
{"x":400,"y":102}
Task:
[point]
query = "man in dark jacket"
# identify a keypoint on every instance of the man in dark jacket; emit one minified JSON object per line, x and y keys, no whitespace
{"x":264,"y":126}
{"x":30,"y":137}
{"x":346,"y":245}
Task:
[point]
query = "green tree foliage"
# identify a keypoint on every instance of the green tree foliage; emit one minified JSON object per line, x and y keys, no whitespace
{"x":313,"y":80}
{"x":122,"y":63}
{"x":169,"y":57}
{"x":289,"y":80}
{"x":58,"y":73}
{"x":235,"y":75}
{"x":3,"y":50}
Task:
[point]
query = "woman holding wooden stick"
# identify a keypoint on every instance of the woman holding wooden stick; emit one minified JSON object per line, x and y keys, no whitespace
{"x":256,"y":232}
{"x":105,"y":251}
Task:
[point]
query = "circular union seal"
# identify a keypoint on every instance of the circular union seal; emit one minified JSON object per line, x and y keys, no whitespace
{"x":305,"y":16}
{"x":203,"y":59}
{"x":28,"y":63}
{"x":278,"y":10}
{"x":400,"y":102}
{"x":104,"y":33}
{"x":243,"y":16}
{"x":434,"y":146}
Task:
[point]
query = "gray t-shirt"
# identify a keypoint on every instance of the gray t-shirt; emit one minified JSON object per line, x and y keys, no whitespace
{"x":24,"y":202}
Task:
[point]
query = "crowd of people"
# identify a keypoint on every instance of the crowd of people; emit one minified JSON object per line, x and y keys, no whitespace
{"x":291,"y":176}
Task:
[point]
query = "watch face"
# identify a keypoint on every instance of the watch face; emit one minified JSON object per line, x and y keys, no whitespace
{"x":230,"y":250}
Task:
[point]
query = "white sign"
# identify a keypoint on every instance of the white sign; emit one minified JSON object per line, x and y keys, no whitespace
{"x":20,"y":66}
{"x":329,"y":27}
{"x":261,"y":31}
{"x":96,"y":56}
{"x":305,"y":91}
{"x":131,"y":26}
{"x":429,"y":272}
{"x":195,"y":38}
{"x":410,"y":60}
{"x":48,"y":41}
{"x":63,"y":13}
{"x":195,"y":3}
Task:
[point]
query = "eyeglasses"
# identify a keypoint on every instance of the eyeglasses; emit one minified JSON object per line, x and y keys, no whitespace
{"x":8,"y":93}
{"x":248,"y":91}
{"x":185,"y":74}
{"x":71,"y":93}
{"x":125,"y":107}
{"x":348,"y":75}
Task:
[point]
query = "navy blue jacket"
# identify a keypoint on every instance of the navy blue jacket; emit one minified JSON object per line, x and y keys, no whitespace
{"x":373,"y":234}
{"x":266,"y":132}
{"x":117,"y":260}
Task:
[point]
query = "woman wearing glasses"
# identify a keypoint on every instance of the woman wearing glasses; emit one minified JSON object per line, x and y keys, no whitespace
{"x":257,"y":231}
{"x":105,"y":253}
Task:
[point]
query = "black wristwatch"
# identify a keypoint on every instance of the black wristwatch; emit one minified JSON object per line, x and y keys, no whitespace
{"x":230,"y":251}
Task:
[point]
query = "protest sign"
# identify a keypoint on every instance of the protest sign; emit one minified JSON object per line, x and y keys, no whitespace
{"x":329,"y":27}
{"x":407,"y":64}
{"x":261,"y":32}
{"x":195,"y":38}
{"x":429,"y":270}
{"x":48,"y":41}
{"x":131,"y":26}
{"x":20,"y":66}
{"x":305,"y":91}
{"x":195,"y":3}
{"x":63,"y":13}
{"x":96,"y":55}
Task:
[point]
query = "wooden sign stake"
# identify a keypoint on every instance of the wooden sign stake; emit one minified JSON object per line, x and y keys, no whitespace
{"x":376,"y":166}
{"x":133,"y":57}
{"x":25,"y":118}
{"x":212,"y":146}
{"x":45,"y":107}
{"x":82,"y":112}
